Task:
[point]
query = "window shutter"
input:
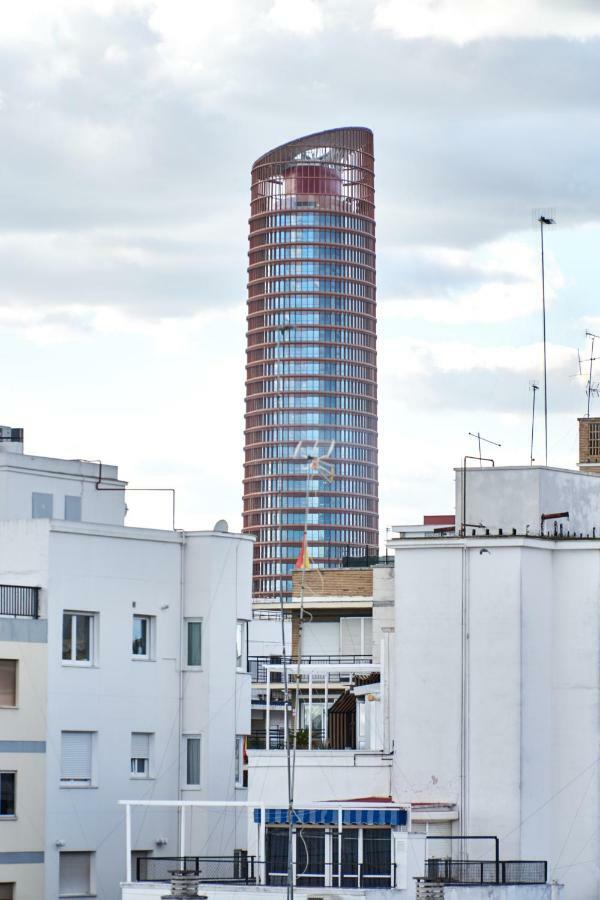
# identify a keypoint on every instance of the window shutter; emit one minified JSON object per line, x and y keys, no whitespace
{"x":8,"y":671}
{"x":350,"y":636}
{"x":74,"y":873}
{"x":140,"y":745}
{"x":77,"y":755}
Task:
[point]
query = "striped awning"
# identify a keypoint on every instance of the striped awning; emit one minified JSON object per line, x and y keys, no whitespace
{"x":393,"y":816}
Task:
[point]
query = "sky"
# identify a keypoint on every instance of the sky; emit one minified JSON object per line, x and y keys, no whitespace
{"x":128,"y":130}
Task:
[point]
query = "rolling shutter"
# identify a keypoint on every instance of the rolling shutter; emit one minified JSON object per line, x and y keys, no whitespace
{"x":76,"y":756}
{"x":140,"y":745}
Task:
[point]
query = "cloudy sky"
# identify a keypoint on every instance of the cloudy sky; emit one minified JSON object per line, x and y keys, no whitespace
{"x":128,"y":129}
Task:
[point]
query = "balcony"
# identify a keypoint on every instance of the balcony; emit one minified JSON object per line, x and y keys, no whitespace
{"x":239,"y":869}
{"x":459,"y":871}
{"x":19,"y":601}
{"x":258,"y":666}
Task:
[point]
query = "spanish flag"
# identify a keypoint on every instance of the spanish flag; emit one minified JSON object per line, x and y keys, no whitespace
{"x":303,"y":561}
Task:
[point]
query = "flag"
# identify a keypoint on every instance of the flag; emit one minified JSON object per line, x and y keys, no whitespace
{"x":303,"y":561}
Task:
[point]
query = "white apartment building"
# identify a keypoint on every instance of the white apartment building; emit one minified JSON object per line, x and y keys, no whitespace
{"x":123,"y":673}
{"x":497,"y":658}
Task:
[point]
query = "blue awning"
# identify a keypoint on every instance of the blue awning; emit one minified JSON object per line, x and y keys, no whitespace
{"x":363,"y":816}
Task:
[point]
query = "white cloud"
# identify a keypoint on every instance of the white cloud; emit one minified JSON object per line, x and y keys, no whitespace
{"x":510,"y":288}
{"x":462,"y":21}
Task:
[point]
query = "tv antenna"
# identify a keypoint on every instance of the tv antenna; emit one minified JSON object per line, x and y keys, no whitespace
{"x":534,"y":386}
{"x":592,"y":389}
{"x":479,"y":439}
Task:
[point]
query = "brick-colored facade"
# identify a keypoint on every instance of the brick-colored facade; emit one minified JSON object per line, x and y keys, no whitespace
{"x":334,"y":583}
{"x":589,"y":445}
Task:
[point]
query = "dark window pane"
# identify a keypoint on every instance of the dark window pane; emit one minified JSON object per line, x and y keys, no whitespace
{"x":310,"y":857}
{"x":7,"y":794}
{"x":82,"y":626}
{"x":140,"y":636}
{"x":67,"y":626}
{"x":277,"y":856}
{"x":377,"y":858}
{"x":194,"y":646}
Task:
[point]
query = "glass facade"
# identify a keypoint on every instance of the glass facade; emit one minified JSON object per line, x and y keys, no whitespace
{"x":311,"y":373}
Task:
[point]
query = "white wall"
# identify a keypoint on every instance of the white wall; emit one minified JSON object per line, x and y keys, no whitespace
{"x":217,"y":700}
{"x":510,"y":497}
{"x":529,"y":616}
{"x":115,"y":576}
{"x":264,"y":637}
{"x":21,"y":475}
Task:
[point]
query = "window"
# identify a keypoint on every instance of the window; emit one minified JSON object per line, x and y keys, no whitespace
{"x":8,"y":683}
{"x":7,"y":793}
{"x":140,"y":645}
{"x":356,"y":636}
{"x":7,"y":890}
{"x":73,"y":509}
{"x":594,"y":438}
{"x":75,"y":874}
{"x":241,"y":773}
{"x":241,"y":645}
{"x":41,"y":506}
{"x":76,"y":758}
{"x":78,"y":636}
{"x":140,"y":754}
{"x":192,"y":761}
{"x":194,"y":643}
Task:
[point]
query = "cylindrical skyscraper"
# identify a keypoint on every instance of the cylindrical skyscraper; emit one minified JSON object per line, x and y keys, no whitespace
{"x":311,"y":372}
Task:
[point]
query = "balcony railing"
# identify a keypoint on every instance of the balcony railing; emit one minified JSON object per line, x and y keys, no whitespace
{"x":238,"y":869}
{"x":374,"y":875}
{"x":459,"y":871}
{"x":257,"y":665}
{"x":258,"y":739}
{"x":16,"y":600}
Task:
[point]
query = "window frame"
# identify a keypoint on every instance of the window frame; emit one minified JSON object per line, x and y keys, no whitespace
{"x":83,"y":783}
{"x":194,"y":620}
{"x":241,"y":642}
{"x":14,"y":705}
{"x":141,"y":776}
{"x":13,"y":814}
{"x":92,"y":616}
{"x":240,"y":774}
{"x":186,"y":784}
{"x":148,"y":655}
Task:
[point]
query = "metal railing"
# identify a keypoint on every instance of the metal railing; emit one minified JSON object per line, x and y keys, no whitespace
{"x":257,"y":665}
{"x":271,"y":615}
{"x":16,"y":600}
{"x":459,"y":871}
{"x":238,"y":869}
{"x":258,"y":739}
{"x":368,"y":875}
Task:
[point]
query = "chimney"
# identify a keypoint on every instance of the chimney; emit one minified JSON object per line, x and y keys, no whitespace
{"x":11,"y":439}
{"x":589,"y":445}
{"x":184,"y":884}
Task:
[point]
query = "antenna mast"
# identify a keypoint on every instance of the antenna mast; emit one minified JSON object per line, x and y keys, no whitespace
{"x":591,"y":387}
{"x":534,"y":387}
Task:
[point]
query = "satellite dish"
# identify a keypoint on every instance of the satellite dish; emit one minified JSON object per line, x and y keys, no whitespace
{"x":221,"y":525}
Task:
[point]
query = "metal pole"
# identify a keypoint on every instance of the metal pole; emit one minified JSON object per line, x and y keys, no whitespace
{"x":544,"y":338}
{"x":589,"y":390}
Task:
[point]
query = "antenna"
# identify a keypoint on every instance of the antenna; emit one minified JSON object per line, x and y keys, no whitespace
{"x":591,"y":387}
{"x":534,"y":386}
{"x":485,"y":440}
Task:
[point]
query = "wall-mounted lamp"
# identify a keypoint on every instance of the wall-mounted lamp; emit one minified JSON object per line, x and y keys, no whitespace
{"x":60,"y":843}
